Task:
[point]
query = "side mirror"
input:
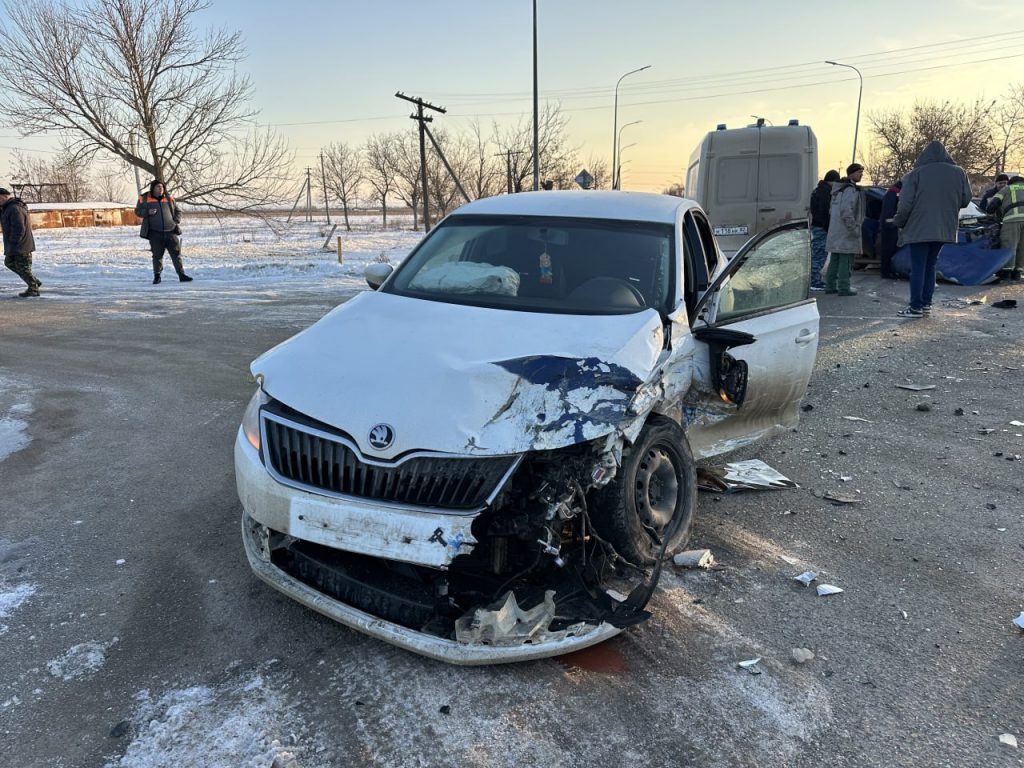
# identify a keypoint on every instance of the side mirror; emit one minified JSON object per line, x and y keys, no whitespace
{"x":376,"y":274}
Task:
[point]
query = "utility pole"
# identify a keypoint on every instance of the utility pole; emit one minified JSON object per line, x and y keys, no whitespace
{"x":508,"y":166}
{"x":309,"y":194}
{"x":536,"y":123}
{"x":323,"y":177}
{"x":422,"y":120}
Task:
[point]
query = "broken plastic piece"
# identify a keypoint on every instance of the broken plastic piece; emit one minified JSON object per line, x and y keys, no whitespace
{"x":694,"y":558}
{"x":505,"y":623}
{"x":828,"y":589}
{"x":1016,"y":423}
{"x":835,"y":498}
{"x":751,"y":666}
{"x":916,"y":387}
{"x":806,"y":578}
{"x":857,"y":418}
{"x":752,"y":475}
{"x":1008,"y":739}
{"x":1019,"y":621}
{"x":1005,"y":304}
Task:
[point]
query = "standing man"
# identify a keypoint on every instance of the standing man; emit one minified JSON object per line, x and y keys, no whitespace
{"x":844,"y":240}
{"x":821,"y":201}
{"x":888,"y":234}
{"x":18,"y":241}
{"x":1008,"y":204}
{"x":160,"y":217}
{"x":928,"y":216}
{"x":1001,"y":181}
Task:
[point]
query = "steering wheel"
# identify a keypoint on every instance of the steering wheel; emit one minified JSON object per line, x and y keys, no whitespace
{"x":636,"y":293}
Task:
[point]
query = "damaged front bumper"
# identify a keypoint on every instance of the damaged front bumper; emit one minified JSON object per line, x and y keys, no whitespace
{"x":451,"y":651}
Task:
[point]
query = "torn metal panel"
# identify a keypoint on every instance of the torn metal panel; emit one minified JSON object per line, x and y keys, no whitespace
{"x":753,"y":474}
{"x":505,"y":623}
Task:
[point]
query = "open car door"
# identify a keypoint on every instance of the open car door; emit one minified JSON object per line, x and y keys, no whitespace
{"x":759,"y":330}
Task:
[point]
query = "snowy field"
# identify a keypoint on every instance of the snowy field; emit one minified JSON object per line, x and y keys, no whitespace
{"x":233,"y":257}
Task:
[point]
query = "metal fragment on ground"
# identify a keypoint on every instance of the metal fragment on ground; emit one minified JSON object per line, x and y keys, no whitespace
{"x":1019,"y":621}
{"x":857,"y":418}
{"x":806,"y":578}
{"x":828,"y":589}
{"x":835,"y":498}
{"x":753,"y":475}
{"x":694,"y":558}
{"x":916,"y":387}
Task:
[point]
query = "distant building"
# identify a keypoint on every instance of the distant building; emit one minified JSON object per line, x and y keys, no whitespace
{"x":55,"y":215}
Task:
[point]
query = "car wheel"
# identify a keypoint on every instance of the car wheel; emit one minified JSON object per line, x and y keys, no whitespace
{"x":656,"y":484}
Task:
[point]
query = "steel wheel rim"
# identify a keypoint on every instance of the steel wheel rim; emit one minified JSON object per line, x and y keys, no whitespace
{"x":657,"y":488}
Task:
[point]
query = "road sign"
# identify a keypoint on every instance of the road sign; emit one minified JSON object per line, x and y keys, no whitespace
{"x":584,"y":179}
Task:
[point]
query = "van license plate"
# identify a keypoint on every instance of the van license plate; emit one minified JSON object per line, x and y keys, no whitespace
{"x":730,"y":231}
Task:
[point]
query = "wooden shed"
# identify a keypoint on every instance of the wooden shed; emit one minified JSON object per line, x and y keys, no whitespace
{"x":53,"y":215}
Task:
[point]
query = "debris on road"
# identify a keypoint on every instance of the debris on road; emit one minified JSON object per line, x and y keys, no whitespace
{"x":751,"y":475}
{"x":824,"y":590}
{"x":857,"y":418}
{"x":801,"y":655}
{"x":923,"y":407}
{"x":694,"y":558}
{"x":916,"y":387}
{"x":1016,"y":423}
{"x":986,"y":431}
{"x":120,"y":561}
{"x":835,"y":498}
{"x":806,"y":578}
{"x":1008,"y":739}
{"x":1005,"y":304}
{"x":751,"y":666}
{"x":1019,"y":621}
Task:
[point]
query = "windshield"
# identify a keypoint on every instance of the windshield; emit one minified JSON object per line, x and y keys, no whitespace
{"x":543,"y":264}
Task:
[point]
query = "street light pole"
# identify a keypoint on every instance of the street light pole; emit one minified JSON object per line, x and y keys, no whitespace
{"x":615,"y":120}
{"x":618,"y":152}
{"x":536,"y":123}
{"x":618,"y":171}
{"x":860,"y":94}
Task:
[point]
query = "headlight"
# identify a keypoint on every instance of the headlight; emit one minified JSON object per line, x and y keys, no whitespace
{"x":251,"y":419}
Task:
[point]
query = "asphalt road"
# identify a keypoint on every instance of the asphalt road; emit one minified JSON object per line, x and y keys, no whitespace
{"x":133,"y":634}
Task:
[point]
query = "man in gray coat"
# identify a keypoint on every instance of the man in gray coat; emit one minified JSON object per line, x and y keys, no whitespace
{"x":928,"y":217}
{"x":160,"y":217}
{"x":844,"y":242}
{"x":19,"y":243}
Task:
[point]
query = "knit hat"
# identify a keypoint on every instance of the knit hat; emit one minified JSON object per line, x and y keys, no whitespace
{"x":1002,"y":177}
{"x":853,"y":168}
{"x":832,"y":176}
{"x":4,"y":191}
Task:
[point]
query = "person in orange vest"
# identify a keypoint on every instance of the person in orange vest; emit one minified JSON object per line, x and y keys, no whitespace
{"x":1008,"y":204}
{"x":160,"y":217}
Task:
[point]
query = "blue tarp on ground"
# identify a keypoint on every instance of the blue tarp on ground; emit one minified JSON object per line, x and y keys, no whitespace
{"x":964,"y":263}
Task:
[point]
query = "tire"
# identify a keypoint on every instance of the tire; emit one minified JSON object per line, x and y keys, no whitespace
{"x":656,"y":483}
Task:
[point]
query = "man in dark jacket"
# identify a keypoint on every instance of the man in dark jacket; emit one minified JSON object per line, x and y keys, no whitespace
{"x":1000,"y":184}
{"x":19,"y":243}
{"x":928,"y":216}
{"x":160,"y":217}
{"x":888,"y":234}
{"x":821,"y":201}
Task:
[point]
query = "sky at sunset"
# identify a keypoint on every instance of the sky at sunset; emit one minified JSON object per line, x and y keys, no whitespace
{"x":328,"y":72}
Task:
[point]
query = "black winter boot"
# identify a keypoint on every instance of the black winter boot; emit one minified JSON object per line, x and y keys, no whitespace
{"x":156,"y":278}
{"x":183,"y":278}
{"x":28,"y":292}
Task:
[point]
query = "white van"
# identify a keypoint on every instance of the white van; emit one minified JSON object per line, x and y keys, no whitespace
{"x":749,"y":179}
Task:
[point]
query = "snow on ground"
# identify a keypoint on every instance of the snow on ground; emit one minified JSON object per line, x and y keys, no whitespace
{"x":80,"y":660}
{"x":245,"y":723}
{"x":11,"y":598}
{"x":14,"y":414}
{"x":231,"y":257}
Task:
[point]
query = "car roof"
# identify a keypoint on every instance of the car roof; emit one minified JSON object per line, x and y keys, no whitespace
{"x":584,"y":204}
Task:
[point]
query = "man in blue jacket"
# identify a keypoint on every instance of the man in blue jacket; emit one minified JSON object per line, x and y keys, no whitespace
{"x":160,"y":217}
{"x":928,"y":216}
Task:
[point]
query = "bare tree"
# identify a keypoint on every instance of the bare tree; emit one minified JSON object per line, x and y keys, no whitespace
{"x":110,"y":183}
{"x":597,"y":167}
{"x":65,"y":176}
{"x":676,"y":189}
{"x":483,"y":173}
{"x":406,"y":171}
{"x":557,"y":159}
{"x":443,"y":191}
{"x":1008,"y":128}
{"x":343,"y":166}
{"x":137,"y":80}
{"x":899,"y":137}
{"x":380,"y":156}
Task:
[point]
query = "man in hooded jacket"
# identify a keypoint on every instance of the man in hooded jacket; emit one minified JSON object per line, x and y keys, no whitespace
{"x":888,"y":234}
{"x":928,"y":216}
{"x":19,"y":243}
{"x":160,"y":217}
{"x":845,"y":239}
{"x":821,"y":201}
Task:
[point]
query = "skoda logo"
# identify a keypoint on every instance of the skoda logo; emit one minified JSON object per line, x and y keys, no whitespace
{"x":382,"y":436}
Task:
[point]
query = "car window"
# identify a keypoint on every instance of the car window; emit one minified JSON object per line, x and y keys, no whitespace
{"x":708,"y":240}
{"x":776,"y":273}
{"x":533,"y":263}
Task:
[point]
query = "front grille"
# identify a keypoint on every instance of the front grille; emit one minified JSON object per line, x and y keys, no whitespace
{"x":320,"y":463}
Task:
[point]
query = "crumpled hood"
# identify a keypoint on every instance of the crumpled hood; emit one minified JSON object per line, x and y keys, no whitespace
{"x":933,"y":153}
{"x":462,"y":379}
{"x":839,"y":186}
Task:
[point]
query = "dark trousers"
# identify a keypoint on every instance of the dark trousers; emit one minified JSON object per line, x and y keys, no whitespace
{"x":922,"y":273}
{"x":169,"y":242}
{"x":21,"y":265}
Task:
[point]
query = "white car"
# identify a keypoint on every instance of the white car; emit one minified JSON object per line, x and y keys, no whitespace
{"x":487,"y":458}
